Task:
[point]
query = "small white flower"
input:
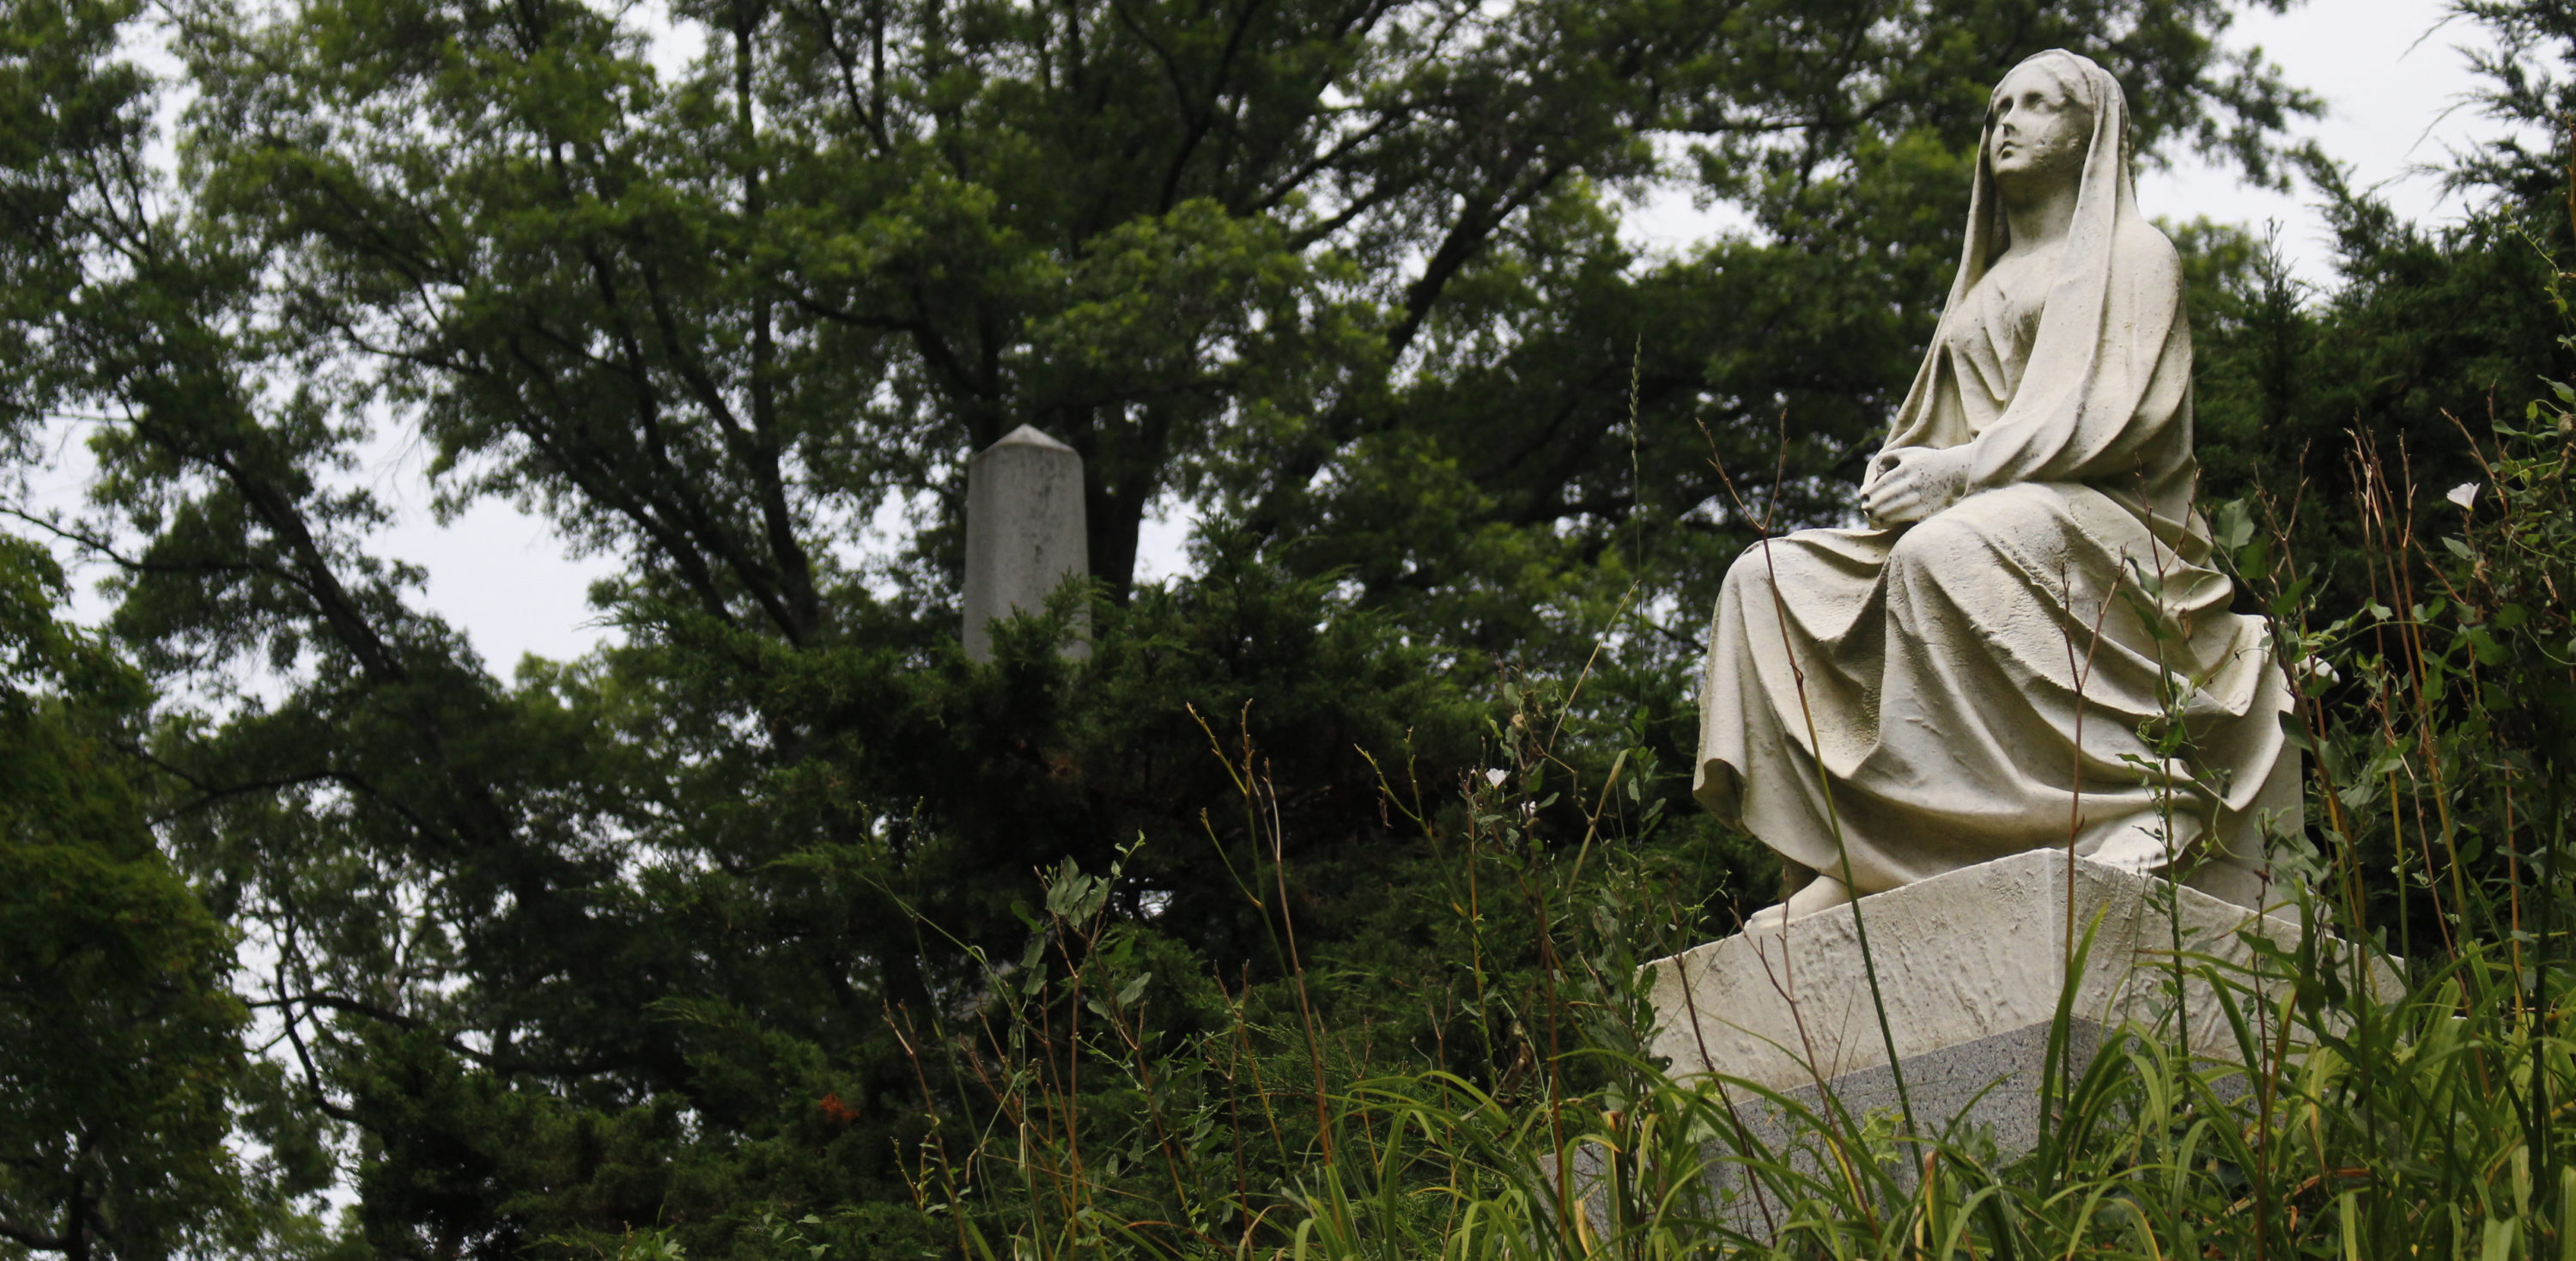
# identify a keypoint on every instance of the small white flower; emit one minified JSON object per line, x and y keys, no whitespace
{"x":2465,"y":494}
{"x":1496,"y":776}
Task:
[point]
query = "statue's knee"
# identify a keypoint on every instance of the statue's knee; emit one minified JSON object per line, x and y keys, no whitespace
{"x":1933,"y":544}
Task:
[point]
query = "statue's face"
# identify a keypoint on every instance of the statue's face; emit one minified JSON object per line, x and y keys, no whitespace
{"x":2040,"y":134}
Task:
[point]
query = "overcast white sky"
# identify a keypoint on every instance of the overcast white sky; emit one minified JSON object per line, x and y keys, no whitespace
{"x":2395,"y":84}
{"x":2387,"y":69}
{"x":2391,"y":73}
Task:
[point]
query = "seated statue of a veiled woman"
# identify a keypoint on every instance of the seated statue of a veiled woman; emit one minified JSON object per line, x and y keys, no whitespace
{"x":2029,"y":646}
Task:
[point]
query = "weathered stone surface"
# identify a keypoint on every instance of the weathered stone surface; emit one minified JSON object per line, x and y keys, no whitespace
{"x":1972,"y":965}
{"x":1025,"y":533}
{"x":1970,"y":954}
{"x":1988,"y":1087}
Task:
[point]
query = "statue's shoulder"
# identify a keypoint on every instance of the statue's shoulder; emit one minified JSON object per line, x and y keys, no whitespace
{"x":2148,"y":254}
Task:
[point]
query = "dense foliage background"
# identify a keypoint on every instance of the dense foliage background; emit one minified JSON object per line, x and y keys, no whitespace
{"x":729,"y":939}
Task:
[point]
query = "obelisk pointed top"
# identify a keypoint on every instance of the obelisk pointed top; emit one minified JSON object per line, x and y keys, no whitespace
{"x":1029,"y":436}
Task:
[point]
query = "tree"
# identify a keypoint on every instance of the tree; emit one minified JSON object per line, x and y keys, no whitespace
{"x":2424,"y":337}
{"x":124,"y":1079}
{"x":123,"y":1076}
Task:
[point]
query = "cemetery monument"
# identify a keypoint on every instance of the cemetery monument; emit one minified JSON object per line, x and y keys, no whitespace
{"x":1025,"y":534}
{"x":2014,"y":703}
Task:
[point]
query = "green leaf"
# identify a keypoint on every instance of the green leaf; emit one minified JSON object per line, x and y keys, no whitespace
{"x":2233,"y":527}
{"x":2501,"y":1232}
{"x":2489,"y":652}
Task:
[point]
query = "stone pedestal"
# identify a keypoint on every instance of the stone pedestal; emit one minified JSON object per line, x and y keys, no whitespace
{"x":1025,"y":534}
{"x":1988,"y":1086}
{"x":1963,"y":959}
{"x":1972,"y":967}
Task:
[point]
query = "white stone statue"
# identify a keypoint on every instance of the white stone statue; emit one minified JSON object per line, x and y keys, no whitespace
{"x":1887,"y":704}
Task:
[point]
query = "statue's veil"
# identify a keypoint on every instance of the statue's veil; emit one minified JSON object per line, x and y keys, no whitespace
{"x":2111,"y":343}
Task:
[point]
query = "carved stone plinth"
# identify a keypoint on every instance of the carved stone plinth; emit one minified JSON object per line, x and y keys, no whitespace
{"x":1972,"y":967}
{"x":1970,"y":955}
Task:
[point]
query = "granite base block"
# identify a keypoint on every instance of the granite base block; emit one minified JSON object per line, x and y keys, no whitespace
{"x":1983,"y":1093}
{"x":1966,"y":955}
{"x":1972,"y":970}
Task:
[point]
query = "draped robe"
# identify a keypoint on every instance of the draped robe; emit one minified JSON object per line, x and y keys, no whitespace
{"x":1921,"y":698}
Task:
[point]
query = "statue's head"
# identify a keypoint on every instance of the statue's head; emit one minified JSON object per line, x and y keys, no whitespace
{"x":2039,"y":125}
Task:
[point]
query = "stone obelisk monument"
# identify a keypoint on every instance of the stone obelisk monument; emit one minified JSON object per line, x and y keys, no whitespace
{"x":1025,"y":534}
